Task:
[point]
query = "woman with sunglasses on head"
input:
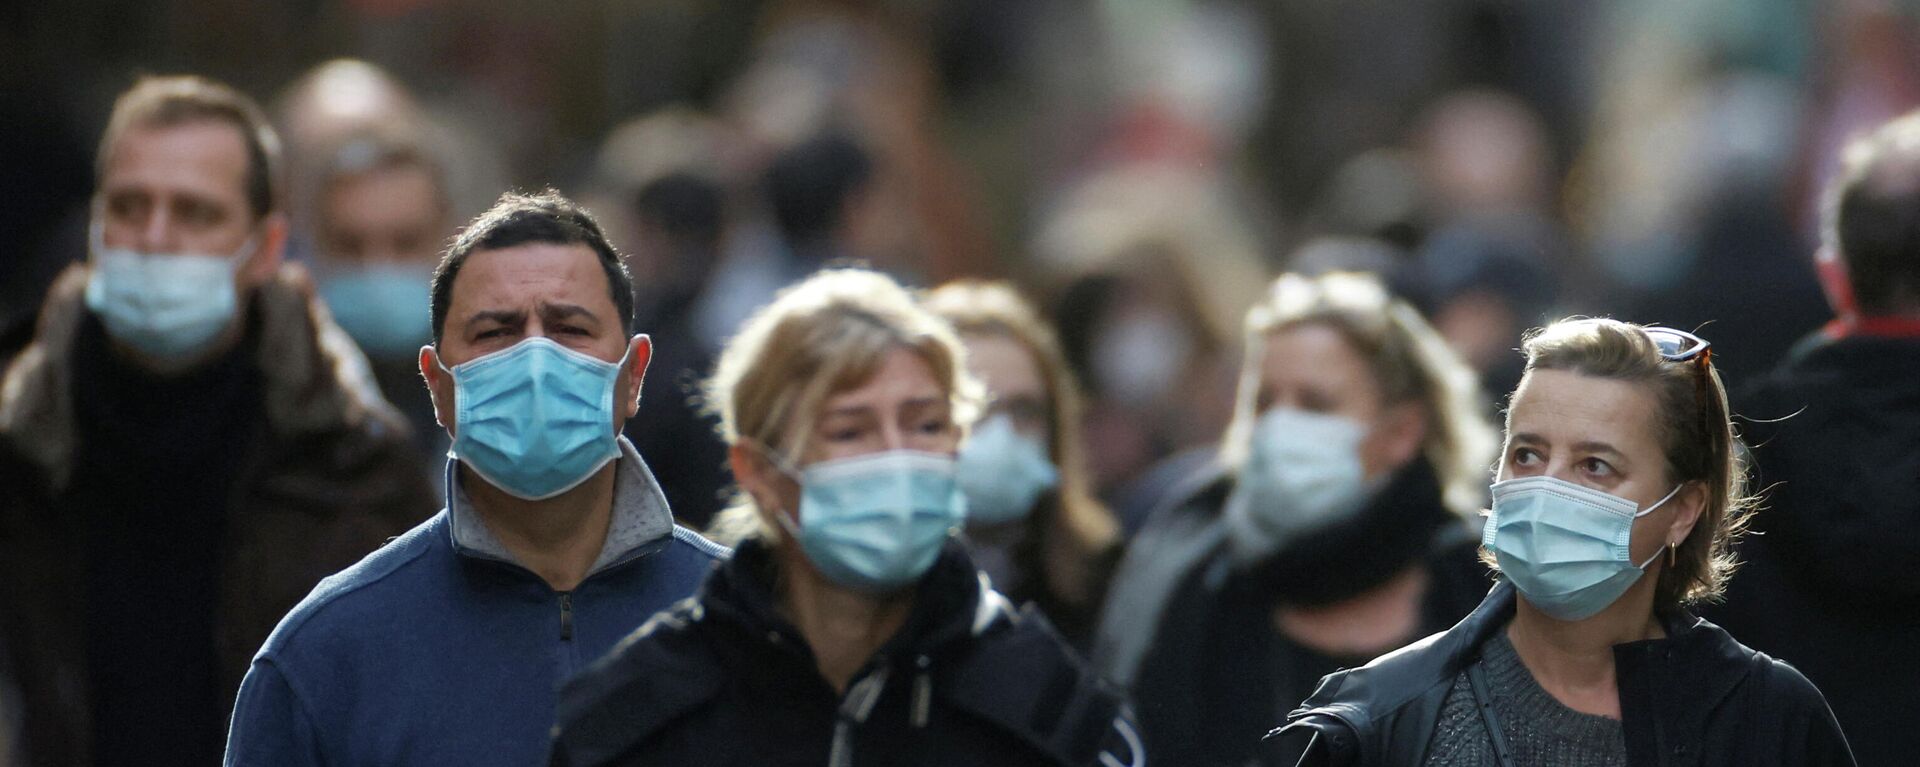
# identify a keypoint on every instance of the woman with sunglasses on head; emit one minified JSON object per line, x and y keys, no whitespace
{"x":1617,"y":496}
{"x":849,"y":628}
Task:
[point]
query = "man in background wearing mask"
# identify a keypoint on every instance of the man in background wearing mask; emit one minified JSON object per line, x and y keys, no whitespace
{"x":190,"y":445}
{"x":448,"y":646}
{"x":382,"y":216}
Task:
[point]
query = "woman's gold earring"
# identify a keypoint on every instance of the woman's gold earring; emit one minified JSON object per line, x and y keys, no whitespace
{"x":1671,"y":547}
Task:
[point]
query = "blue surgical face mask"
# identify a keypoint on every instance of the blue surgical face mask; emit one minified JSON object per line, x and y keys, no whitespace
{"x":383,"y":306}
{"x":1303,"y":472}
{"x":1565,"y":546}
{"x":168,"y":306}
{"x":535,"y":419}
{"x":1003,"y":472}
{"x":876,"y":522}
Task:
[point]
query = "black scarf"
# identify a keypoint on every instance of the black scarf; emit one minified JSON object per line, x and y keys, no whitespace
{"x":1349,"y":556}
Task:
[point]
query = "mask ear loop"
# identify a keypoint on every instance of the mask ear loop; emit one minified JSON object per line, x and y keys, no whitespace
{"x":1650,"y":510}
{"x":781,"y":465}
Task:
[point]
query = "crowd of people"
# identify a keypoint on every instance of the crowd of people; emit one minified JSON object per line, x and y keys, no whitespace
{"x":762,"y":441}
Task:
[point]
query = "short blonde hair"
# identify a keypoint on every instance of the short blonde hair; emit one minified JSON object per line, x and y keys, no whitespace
{"x":996,"y":308}
{"x":823,"y":335}
{"x":1694,"y":430}
{"x":1409,"y":360}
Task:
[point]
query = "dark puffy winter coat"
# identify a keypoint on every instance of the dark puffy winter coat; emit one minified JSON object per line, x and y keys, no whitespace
{"x":722,"y":679}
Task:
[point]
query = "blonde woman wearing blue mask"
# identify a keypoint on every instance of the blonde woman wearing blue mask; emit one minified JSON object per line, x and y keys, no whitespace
{"x":1032,"y":521}
{"x":1337,"y":524}
{"x":850,"y":627}
{"x":1616,"y":497}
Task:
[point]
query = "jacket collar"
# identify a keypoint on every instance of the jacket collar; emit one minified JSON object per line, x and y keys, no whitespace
{"x":1670,"y":685}
{"x":953,"y":601}
{"x":640,"y":515}
{"x":314,"y":379}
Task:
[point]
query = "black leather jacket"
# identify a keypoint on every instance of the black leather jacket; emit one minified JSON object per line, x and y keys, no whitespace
{"x":1696,"y":697}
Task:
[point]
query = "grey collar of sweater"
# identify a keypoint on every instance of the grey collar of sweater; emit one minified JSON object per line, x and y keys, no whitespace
{"x":640,"y":515}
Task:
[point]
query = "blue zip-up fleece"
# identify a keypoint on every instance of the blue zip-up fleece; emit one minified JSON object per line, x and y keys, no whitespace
{"x":439,"y":649}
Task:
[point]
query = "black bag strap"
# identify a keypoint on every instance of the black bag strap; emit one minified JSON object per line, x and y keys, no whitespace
{"x":1483,"y":700}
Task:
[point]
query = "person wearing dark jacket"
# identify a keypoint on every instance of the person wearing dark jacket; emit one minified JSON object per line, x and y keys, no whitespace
{"x":850,"y":628}
{"x":1836,"y":440}
{"x":1619,"y":494}
{"x":187,"y":445}
{"x":448,"y":645}
{"x":1338,"y":527}
{"x":1033,"y":525}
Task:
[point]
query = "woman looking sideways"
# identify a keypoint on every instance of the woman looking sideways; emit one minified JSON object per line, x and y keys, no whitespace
{"x":1619,"y":491}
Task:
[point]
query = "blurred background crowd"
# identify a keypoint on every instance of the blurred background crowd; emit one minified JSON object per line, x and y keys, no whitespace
{"x":1136,"y":167}
{"x":1140,"y":170}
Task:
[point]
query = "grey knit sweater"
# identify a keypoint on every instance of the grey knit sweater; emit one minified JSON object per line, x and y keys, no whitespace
{"x":1539,"y":730}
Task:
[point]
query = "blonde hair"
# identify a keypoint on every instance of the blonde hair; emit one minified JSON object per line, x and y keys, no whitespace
{"x":1694,"y":430}
{"x":996,"y":309}
{"x":1410,"y":362}
{"x":821,"y":336}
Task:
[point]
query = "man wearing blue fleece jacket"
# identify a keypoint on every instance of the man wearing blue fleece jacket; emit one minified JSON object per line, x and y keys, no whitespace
{"x":447,"y":645}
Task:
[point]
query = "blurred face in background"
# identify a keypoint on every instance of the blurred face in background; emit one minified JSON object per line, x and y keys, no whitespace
{"x":178,"y":248}
{"x":1014,"y":384}
{"x":177,"y":189}
{"x":390,"y":215}
{"x":1313,"y":368}
{"x":380,"y":232}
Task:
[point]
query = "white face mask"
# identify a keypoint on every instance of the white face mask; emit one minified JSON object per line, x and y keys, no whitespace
{"x":1303,"y":472}
{"x":169,"y":306}
{"x":1139,"y":356}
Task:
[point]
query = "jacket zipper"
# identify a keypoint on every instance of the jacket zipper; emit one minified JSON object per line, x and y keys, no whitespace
{"x":566,"y":616}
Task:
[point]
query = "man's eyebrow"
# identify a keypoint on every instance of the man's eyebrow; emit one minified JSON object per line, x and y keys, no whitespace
{"x":501,"y":316}
{"x":553,"y":310}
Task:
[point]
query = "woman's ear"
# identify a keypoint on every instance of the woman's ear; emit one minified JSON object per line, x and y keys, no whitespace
{"x":1403,"y":431}
{"x":1690,"y":503}
{"x":763,"y":481}
{"x":772,"y":491}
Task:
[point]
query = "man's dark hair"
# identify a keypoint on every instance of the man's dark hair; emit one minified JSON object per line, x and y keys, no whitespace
{"x":810,"y":184}
{"x":684,"y":207}
{"x":520,"y":219}
{"x":1873,"y":217}
{"x":168,"y":101}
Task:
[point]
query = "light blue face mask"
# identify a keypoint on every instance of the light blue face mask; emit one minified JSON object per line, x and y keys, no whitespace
{"x":383,"y":306}
{"x":1564,"y":546}
{"x":535,"y":419}
{"x":1003,"y":473}
{"x":169,"y":306}
{"x":876,"y":522}
{"x":1303,"y":472}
